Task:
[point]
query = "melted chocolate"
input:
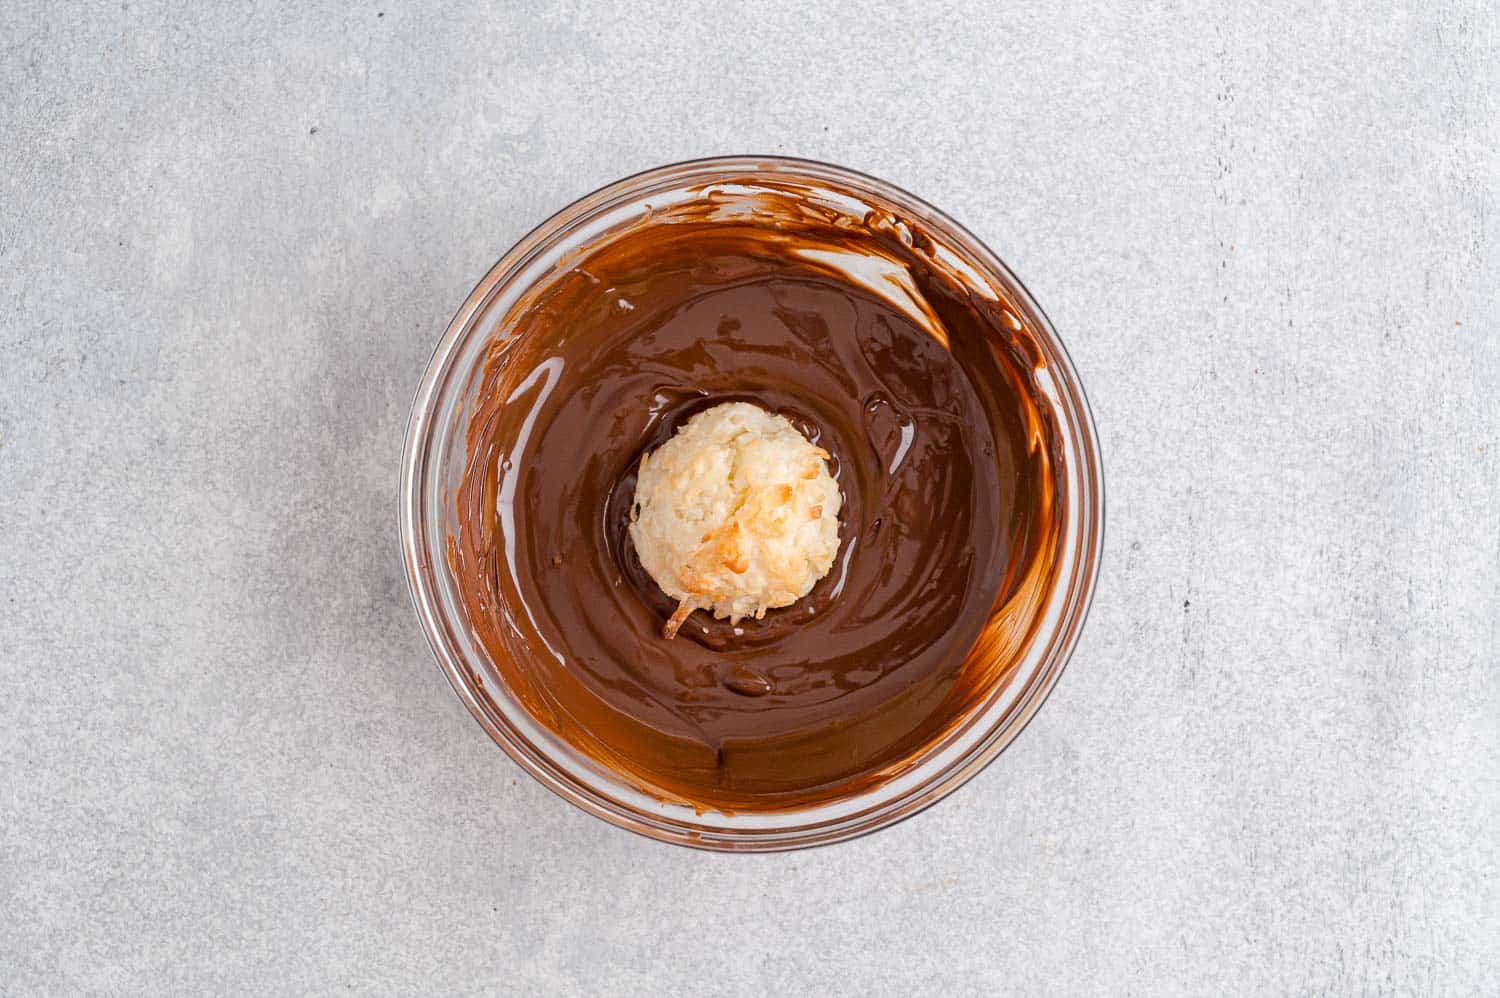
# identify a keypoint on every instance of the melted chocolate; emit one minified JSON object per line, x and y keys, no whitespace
{"x":920,"y":389}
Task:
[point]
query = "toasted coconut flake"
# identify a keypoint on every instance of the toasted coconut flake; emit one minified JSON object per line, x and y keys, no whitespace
{"x":736,"y":514}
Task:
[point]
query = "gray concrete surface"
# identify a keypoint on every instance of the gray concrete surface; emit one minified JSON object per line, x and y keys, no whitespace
{"x":229,"y":238}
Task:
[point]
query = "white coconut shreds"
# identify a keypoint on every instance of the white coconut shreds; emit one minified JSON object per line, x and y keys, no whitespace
{"x":736,"y":514}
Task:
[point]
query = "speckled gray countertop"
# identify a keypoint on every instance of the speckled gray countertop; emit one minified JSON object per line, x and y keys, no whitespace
{"x":230,"y":236}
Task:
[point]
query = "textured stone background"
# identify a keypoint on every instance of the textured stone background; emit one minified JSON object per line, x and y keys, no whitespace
{"x":230,"y":236}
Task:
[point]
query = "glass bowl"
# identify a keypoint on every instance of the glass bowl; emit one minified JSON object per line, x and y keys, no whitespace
{"x":433,"y":465}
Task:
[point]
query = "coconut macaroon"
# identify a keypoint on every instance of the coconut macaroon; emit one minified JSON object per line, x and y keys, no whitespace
{"x":737,"y":514}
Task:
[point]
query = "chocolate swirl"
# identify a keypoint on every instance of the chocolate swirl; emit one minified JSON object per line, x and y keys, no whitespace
{"x":878,"y":346}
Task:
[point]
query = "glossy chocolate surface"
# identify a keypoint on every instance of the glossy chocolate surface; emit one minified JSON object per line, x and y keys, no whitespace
{"x":881,"y":350}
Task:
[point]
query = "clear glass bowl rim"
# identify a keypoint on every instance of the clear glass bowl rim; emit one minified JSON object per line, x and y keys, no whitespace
{"x":989,"y":730}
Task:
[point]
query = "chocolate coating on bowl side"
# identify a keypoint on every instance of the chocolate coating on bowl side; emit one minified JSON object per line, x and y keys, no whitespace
{"x":921,"y":390}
